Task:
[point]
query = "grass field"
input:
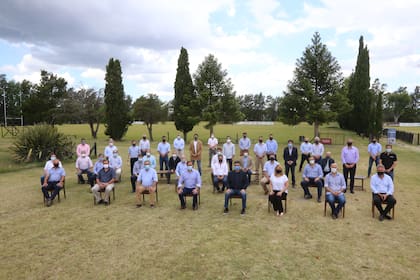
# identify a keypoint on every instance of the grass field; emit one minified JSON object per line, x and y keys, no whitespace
{"x":74,"y":239}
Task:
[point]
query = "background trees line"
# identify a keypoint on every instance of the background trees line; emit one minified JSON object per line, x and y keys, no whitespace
{"x":316,"y":94}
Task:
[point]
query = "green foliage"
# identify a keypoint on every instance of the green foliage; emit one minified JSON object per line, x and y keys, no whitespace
{"x":150,"y":110}
{"x":117,"y":106}
{"x":37,"y":142}
{"x":397,"y":102}
{"x":186,"y":104}
{"x":310,"y":94}
{"x":259,"y":107}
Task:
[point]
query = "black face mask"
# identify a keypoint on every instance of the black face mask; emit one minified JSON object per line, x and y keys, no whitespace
{"x":56,"y":165}
{"x":271,"y":138}
{"x":316,"y":142}
{"x":195,"y":138}
{"x":272,"y":159}
{"x":260,"y":141}
{"x":220,"y":160}
{"x":380,"y":173}
{"x":349,"y":144}
{"x":144,"y":138}
{"x":134,"y":144}
{"x":279,"y":171}
{"x":163,"y":140}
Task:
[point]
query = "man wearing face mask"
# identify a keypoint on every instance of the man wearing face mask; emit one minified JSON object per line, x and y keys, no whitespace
{"x":220,"y":172}
{"x":192,"y":184}
{"x":147,"y":180}
{"x":260,"y":150}
{"x":54,"y":181}
{"x":268,"y":170}
{"x":138,"y":166}
{"x":96,"y":168}
{"x":196,"y":147}
{"x":163,"y":148}
{"x":389,"y":161}
{"x":181,"y":168}
{"x":104,"y":181}
{"x":382,"y":190}
{"x":115,"y":162}
{"x":374,"y":151}
{"x":229,"y":151}
{"x":334,"y":190}
{"x":290,"y":156}
{"x":237,"y":183}
{"x":246,"y":163}
{"x":312,"y":176}
{"x":212,"y":143}
{"x":144,"y":145}
{"x":179,"y":145}
{"x":317,"y":150}
{"x":244,"y":144}
{"x":174,"y":160}
{"x":109,"y":150}
{"x":151,"y":158}
{"x":83,"y":147}
{"x":350,"y":157}
{"x":305,"y":150}
{"x":272,"y":147}
{"x":84,"y":165}
{"x":48,"y":165}
{"x":326,"y":163}
{"x":133,"y":152}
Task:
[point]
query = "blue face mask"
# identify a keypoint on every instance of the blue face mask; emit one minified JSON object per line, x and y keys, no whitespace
{"x":147,"y":167}
{"x":189,"y":168}
{"x":290,"y":145}
{"x":237,"y":168}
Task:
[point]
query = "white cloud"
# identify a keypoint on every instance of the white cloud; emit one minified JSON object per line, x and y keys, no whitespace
{"x":93,"y":73}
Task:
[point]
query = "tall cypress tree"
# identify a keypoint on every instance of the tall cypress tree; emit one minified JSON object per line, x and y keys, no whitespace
{"x":186,"y":113}
{"x":117,"y":108}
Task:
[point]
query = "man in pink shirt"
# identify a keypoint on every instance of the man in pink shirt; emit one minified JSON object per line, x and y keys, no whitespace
{"x":83,"y":147}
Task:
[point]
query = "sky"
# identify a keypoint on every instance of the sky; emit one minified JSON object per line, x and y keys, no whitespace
{"x":256,"y":41}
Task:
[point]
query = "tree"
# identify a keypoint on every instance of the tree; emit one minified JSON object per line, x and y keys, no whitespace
{"x":377,"y":91}
{"x":150,"y":110}
{"x":117,"y":106}
{"x":310,"y":94}
{"x":215,"y":90}
{"x":186,"y":104}
{"x":397,"y":102}
{"x":93,"y":109}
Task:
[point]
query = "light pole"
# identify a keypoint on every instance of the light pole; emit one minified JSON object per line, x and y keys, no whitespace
{"x":4,"y":108}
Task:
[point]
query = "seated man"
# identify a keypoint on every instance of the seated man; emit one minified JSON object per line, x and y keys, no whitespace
{"x":96,"y":168}
{"x":192,"y":183}
{"x":268,"y":170}
{"x":84,"y":165}
{"x":215,"y":158}
{"x":335,"y":186}
{"x":54,"y":181}
{"x":312,"y":176}
{"x":115,"y":162}
{"x":138,"y":165}
{"x":246,"y":163}
{"x":382,"y":190}
{"x":326,"y":163}
{"x":147,"y":180}
{"x":104,"y":181}
{"x":48,"y":165}
{"x":237,"y":184}
{"x":220,"y":172}
{"x":173,"y":162}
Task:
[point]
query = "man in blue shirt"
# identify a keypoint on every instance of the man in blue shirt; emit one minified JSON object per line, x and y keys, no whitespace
{"x":374,"y":151}
{"x":312,"y":176}
{"x":335,"y":186}
{"x":147,"y":180}
{"x":104,"y":181}
{"x":305,"y":151}
{"x":244,"y":144}
{"x":138,"y":165}
{"x":272,"y":147}
{"x":133,"y":152}
{"x":237,"y":184}
{"x":382,"y":191}
{"x":163,"y":149}
{"x":54,"y":181}
{"x":192,"y":184}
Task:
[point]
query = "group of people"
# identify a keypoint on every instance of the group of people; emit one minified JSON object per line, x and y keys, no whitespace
{"x":229,"y":175}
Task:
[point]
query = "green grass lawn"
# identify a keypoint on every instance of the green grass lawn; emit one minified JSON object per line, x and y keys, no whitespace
{"x":74,"y":239}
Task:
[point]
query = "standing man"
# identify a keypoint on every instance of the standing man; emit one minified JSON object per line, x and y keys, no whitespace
{"x":54,"y":180}
{"x":389,"y":161}
{"x":350,"y":157}
{"x":133,"y":152}
{"x":382,"y":190}
{"x":192,"y":184}
{"x":220,"y":173}
{"x":83,"y":147}
{"x":109,"y":150}
{"x":237,"y":183}
{"x":147,"y":180}
{"x":246,"y":163}
{"x":244,"y":144}
{"x":173,"y":163}
{"x":374,"y":151}
{"x":290,"y":156}
{"x":196,"y":147}
{"x":317,"y":150}
{"x":212,"y":144}
{"x":138,"y":166}
{"x":272,"y":147}
{"x":115,"y":162}
{"x":312,"y":175}
{"x":229,"y":151}
{"x":334,"y":190}
{"x":179,"y":145}
{"x":163,"y":149}
{"x":260,"y":150}
{"x":144,"y":145}
{"x":326,"y":163}
{"x":268,"y":170}
{"x":104,"y":181}
{"x":305,"y":150}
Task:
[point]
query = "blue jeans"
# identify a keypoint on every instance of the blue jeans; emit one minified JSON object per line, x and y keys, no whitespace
{"x":235,"y":192}
{"x":340,"y":199}
{"x":371,"y":160}
{"x":216,"y":182}
{"x":163,"y":160}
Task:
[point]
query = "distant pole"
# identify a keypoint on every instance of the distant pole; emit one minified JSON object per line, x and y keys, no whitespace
{"x":4,"y":108}
{"x":21,"y":111}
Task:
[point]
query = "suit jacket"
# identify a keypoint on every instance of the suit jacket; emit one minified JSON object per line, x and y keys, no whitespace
{"x":197,"y":155}
{"x":249,"y":166}
{"x":293,"y":157}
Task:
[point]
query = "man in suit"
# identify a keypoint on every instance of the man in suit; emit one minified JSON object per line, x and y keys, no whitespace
{"x":326,"y":163}
{"x":290,"y":156}
{"x":196,"y":147}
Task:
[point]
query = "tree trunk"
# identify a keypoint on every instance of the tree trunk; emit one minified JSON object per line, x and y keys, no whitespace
{"x":149,"y":128}
{"x":92,"y":130}
{"x":211,"y":129}
{"x":185,"y":136}
{"x":316,"y":129}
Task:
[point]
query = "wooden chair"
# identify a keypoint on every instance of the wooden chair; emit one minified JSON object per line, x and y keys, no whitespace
{"x":270,"y":206}
{"x":219,"y":183}
{"x":234,"y":196}
{"x":148,"y":192}
{"x":191,"y":195}
{"x":103,"y":191}
{"x":58,"y":195}
{"x":343,"y":210}
{"x":383,"y":202}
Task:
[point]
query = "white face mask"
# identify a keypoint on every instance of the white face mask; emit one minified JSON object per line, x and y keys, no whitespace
{"x":106,"y":165}
{"x":148,"y":154}
{"x":334,"y":170}
{"x":83,"y":155}
{"x":388,"y":150}
{"x":53,"y":158}
{"x":245,"y":154}
{"x":311,"y":161}
{"x":178,"y":137}
{"x":228,"y":140}
{"x":111,"y":144}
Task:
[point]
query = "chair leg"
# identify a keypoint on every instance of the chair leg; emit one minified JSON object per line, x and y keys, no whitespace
{"x":325,"y":207}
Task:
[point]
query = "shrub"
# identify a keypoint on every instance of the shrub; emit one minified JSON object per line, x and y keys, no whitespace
{"x":37,"y":142}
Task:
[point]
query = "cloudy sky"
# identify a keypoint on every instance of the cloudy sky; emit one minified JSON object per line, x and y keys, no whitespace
{"x":257,"y":41}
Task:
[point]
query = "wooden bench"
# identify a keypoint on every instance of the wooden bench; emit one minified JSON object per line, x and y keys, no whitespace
{"x":166,"y":173}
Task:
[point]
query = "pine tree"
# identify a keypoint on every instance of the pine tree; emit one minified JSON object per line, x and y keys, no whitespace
{"x":117,"y":116}
{"x":186,"y":103}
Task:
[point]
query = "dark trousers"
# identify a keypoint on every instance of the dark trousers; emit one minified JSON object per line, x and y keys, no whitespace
{"x":235,"y":192}
{"x":80,"y":176}
{"x":132,"y":161}
{"x":187,"y":191}
{"x":276,"y":201}
{"x":133,"y":180}
{"x":52,"y":186}
{"x":275,"y":157}
{"x":249,"y":174}
{"x":229,"y":162}
{"x":216,"y":182}
{"x":352,"y":172}
{"x":291,"y":168}
{"x":305,"y":186}
{"x":163,"y":160}
{"x":390,"y":202}
{"x":371,"y":160}
{"x":92,"y":179}
{"x":302,"y":159}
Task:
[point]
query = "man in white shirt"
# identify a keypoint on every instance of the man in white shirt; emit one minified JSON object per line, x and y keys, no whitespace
{"x":260,"y":150}
{"x":212,"y":143}
{"x":317,"y":150}
{"x":229,"y":151}
{"x":115,"y":162}
{"x":305,"y":150}
{"x":220,"y":172}
{"x":382,"y":191}
{"x":163,"y":149}
{"x":144,"y":145}
{"x":109,"y":150}
{"x":179,"y":145}
{"x":84,"y":165}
